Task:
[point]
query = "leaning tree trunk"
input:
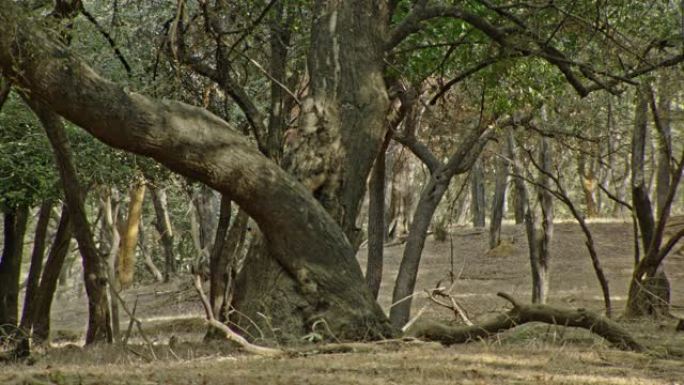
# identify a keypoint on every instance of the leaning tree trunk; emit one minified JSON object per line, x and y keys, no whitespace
{"x":301,"y":236}
{"x":477,"y":191}
{"x":37,"y":255}
{"x":15,"y":222}
{"x":94,"y":265}
{"x":39,"y":318}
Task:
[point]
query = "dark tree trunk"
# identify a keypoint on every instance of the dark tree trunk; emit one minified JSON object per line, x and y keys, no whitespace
{"x":219,"y":262}
{"x":477,"y":191}
{"x":163,"y":225}
{"x":15,"y":222}
{"x":94,"y":265}
{"x":376,"y":222}
{"x":498,"y":201}
{"x":36,"y":261}
{"x":40,"y":317}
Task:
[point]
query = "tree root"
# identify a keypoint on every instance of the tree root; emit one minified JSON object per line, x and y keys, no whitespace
{"x":524,"y":313}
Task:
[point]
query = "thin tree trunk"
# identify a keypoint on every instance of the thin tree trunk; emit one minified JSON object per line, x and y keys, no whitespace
{"x":498,"y":202}
{"x":99,"y":322}
{"x":39,"y":318}
{"x":37,"y":256}
{"x":218,"y":265}
{"x":477,"y":203}
{"x":147,"y":256}
{"x":543,"y":230}
{"x":163,"y":225}
{"x":125,"y":265}
{"x":376,"y":221}
{"x":14,"y":229}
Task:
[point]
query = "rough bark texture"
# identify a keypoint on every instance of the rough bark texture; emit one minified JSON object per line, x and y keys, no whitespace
{"x":15,"y":222}
{"x":94,"y":273}
{"x":299,"y":233}
{"x":521,"y":314}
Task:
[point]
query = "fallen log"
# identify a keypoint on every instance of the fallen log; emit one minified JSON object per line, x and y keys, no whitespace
{"x":526,"y":313}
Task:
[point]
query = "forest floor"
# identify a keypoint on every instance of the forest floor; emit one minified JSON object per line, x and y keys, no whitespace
{"x":539,"y":354}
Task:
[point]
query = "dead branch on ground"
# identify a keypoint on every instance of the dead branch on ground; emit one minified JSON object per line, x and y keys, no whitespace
{"x":524,"y":313}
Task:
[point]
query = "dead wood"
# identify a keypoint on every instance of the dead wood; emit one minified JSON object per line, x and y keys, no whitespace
{"x":525,"y":313}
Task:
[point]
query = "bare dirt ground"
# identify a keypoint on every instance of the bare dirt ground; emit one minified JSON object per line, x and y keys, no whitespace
{"x":538,"y":354}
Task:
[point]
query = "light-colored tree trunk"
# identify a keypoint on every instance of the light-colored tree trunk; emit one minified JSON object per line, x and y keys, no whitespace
{"x":125,"y":262}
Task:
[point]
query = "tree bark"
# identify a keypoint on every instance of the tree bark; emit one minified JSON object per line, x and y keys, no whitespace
{"x":94,"y":273}
{"x":40,"y":317}
{"x":163,"y":225}
{"x":14,"y":229}
{"x":498,"y":201}
{"x":305,"y":240}
{"x":125,"y":262}
{"x":37,"y":256}
{"x":376,"y":222}
{"x":543,"y":229}
{"x":477,"y":191}
{"x":521,"y":314}
{"x":219,"y":262}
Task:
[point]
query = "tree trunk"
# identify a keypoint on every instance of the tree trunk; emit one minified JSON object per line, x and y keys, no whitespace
{"x":147,"y":255}
{"x":37,"y":256}
{"x":14,"y":229}
{"x":477,"y":203}
{"x":125,"y":262}
{"x":163,"y":225}
{"x":543,"y":229}
{"x":219,"y":262}
{"x":498,"y":201}
{"x":304,"y":238}
{"x":460,"y":161}
{"x":588,"y":183}
{"x":99,"y":322}
{"x":376,"y":222}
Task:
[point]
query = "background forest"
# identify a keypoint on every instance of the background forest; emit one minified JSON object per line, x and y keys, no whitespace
{"x":332,"y":173}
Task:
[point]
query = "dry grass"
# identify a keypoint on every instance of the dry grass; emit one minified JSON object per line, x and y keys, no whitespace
{"x":537,"y":354}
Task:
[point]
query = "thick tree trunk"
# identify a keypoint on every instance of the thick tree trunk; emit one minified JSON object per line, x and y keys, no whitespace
{"x":40,"y":317}
{"x":305,"y":240}
{"x":14,"y":229}
{"x":94,"y":273}
{"x":477,"y":191}
{"x":37,"y":255}
{"x":498,"y":201}
{"x":125,"y":262}
{"x":163,"y":225}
